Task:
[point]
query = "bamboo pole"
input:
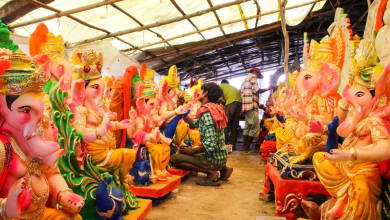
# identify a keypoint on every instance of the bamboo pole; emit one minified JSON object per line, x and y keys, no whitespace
{"x":286,"y":45}
{"x":224,"y":76}
{"x":255,"y":57}
{"x":159,"y":23}
{"x":132,"y":30}
{"x":59,"y":12}
{"x":216,"y":26}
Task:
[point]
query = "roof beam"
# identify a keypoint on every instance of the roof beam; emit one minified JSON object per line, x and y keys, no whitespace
{"x":188,"y":19}
{"x":228,"y":75}
{"x":198,"y":74}
{"x":223,"y":24}
{"x":138,"y":22}
{"x":239,"y":53}
{"x":359,"y":20}
{"x":59,"y":13}
{"x":160,"y":23}
{"x":258,"y":12}
{"x":248,"y":48}
{"x":218,"y":20}
{"x":84,"y":23}
{"x":223,"y":59}
{"x":13,"y":10}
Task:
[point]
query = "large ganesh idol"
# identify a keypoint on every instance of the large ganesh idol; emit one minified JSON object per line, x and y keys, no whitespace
{"x":317,"y":96}
{"x":352,"y":173}
{"x":28,"y":170}
{"x":93,"y":121}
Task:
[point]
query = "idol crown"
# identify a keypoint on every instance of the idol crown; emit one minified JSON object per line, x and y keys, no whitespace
{"x":22,"y":76}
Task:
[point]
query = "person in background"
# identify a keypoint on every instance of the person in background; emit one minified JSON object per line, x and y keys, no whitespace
{"x":250,"y":104}
{"x":233,"y":105}
{"x":211,"y":156}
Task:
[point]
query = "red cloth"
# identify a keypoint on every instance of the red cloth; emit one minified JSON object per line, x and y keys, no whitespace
{"x":216,"y":112}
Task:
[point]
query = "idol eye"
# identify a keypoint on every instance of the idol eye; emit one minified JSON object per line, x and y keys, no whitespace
{"x":307,"y":77}
{"x":25,"y":109}
{"x":359,"y":94}
{"x":95,"y":86}
{"x":110,"y":90}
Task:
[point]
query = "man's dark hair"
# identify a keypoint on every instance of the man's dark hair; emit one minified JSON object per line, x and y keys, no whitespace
{"x":225,"y":81}
{"x":214,"y":92}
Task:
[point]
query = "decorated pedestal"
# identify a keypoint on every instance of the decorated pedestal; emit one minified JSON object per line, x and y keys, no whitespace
{"x":178,"y":172}
{"x":290,"y":183}
{"x":158,"y":189}
{"x":144,"y":207}
{"x":266,"y":149}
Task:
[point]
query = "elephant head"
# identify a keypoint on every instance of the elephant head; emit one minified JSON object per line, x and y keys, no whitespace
{"x":367,"y":88}
{"x":48,"y":51}
{"x":22,"y":106}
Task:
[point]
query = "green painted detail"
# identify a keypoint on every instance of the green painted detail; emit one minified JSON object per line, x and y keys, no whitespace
{"x":84,"y":179}
{"x":5,"y":38}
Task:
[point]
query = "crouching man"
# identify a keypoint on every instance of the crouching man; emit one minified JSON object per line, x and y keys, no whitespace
{"x":211,"y":157}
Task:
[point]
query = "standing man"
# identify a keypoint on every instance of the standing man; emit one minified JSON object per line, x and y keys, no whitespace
{"x":250,"y":103}
{"x":233,"y":105}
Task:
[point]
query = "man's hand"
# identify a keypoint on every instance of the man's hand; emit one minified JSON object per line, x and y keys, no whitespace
{"x":186,"y":150}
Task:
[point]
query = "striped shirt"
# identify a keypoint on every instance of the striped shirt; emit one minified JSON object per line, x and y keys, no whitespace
{"x":248,"y":89}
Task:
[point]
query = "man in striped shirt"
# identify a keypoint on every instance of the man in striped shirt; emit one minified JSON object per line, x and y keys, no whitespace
{"x":250,"y":103}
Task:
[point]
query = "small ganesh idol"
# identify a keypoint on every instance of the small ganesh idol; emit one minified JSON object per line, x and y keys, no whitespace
{"x":168,"y":95}
{"x":93,"y":120}
{"x":147,"y":130}
{"x":110,"y":87}
{"x":48,"y":51}
{"x":352,"y":174}
{"x":28,"y":163}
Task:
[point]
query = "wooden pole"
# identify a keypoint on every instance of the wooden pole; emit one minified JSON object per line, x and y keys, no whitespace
{"x":59,"y":12}
{"x":132,"y":30}
{"x":160,"y":23}
{"x":216,"y":26}
{"x":286,"y":44}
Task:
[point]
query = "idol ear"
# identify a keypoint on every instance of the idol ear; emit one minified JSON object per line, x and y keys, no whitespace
{"x":330,"y":79}
{"x":43,"y":61}
{"x":78,"y":93}
{"x":2,"y":105}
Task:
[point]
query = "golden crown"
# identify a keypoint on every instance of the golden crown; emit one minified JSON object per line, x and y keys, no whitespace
{"x":364,"y":70}
{"x":53,"y":47}
{"x":22,"y":77}
{"x":320,"y":53}
{"x":86,"y":65}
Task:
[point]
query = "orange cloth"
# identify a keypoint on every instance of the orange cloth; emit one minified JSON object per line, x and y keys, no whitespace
{"x":121,"y":102}
{"x":216,"y":111}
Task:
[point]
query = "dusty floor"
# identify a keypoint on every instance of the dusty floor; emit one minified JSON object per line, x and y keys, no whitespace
{"x":237,"y":198}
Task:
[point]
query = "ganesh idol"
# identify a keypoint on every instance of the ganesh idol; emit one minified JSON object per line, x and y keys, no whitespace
{"x":317,"y":96}
{"x":147,"y":130}
{"x":352,"y":173}
{"x":28,"y":163}
{"x":93,"y":121}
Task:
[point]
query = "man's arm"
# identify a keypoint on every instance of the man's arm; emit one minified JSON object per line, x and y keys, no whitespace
{"x":262,"y":91}
{"x":192,"y":151}
{"x":189,"y":121}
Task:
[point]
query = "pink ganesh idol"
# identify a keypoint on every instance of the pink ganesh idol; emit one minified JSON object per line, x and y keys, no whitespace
{"x":28,"y":163}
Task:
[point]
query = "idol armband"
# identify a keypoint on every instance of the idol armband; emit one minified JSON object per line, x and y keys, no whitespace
{"x":97,"y":132}
{"x":343,"y":107}
{"x":353,"y":153}
{"x":3,"y":216}
{"x":62,"y":193}
{"x":309,"y":118}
